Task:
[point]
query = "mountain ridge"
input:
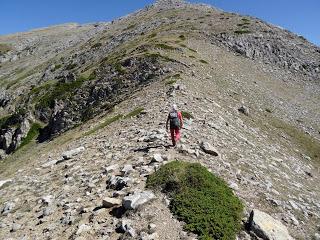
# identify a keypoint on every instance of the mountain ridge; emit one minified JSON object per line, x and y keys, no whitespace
{"x":252,"y":91}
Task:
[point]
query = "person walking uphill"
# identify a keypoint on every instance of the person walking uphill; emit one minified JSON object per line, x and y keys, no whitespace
{"x":176,"y":123}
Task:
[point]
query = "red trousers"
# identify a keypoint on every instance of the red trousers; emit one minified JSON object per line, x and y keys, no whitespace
{"x":175,"y":135}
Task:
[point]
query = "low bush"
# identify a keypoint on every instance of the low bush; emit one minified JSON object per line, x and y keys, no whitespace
{"x":164,"y":46}
{"x":202,"y":200}
{"x":242,"y":31}
{"x":134,"y":113}
{"x":203,"y":61}
{"x":187,"y":115}
{"x":32,"y":134}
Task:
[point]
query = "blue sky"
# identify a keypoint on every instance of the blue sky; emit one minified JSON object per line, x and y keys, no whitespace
{"x":301,"y":17}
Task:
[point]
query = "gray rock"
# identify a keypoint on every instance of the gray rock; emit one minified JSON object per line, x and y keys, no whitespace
{"x":15,"y":227}
{"x":266,"y":227}
{"x":112,"y":168}
{"x":118,"y":183}
{"x":110,"y":202}
{"x":152,"y":228}
{"x":69,"y":154}
{"x":3,"y":182}
{"x":125,"y":227}
{"x":244,"y":110}
{"x":83,"y":228}
{"x":47,"y":200}
{"x":207,"y":148}
{"x":157,"y":157}
{"x":316,"y":236}
{"x":7,"y":208}
{"x":137,"y":199}
{"x":127,"y":169}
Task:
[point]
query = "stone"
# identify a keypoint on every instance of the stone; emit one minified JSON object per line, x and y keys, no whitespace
{"x":244,"y":110}
{"x":125,"y":227}
{"x":110,"y":202}
{"x":112,"y":168}
{"x":15,"y":227}
{"x":137,"y":199}
{"x":3,"y":182}
{"x":118,"y":183}
{"x":152,"y":228}
{"x":49,"y":164}
{"x":316,"y":236}
{"x":266,"y":227}
{"x":83,"y":228}
{"x":157,"y":157}
{"x":70,"y":154}
{"x":127,"y":169}
{"x":7,"y":208}
{"x":207,"y":148}
{"x":47,"y":200}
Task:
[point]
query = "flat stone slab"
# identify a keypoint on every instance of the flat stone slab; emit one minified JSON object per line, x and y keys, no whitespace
{"x":137,"y":199}
{"x":266,"y":227}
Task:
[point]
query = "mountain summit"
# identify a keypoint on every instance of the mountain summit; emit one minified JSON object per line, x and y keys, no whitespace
{"x":83,"y":112}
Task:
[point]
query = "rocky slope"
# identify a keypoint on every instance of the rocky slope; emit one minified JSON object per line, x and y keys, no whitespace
{"x":252,"y":90}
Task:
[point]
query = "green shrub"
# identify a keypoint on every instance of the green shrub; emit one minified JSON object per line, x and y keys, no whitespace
{"x":203,"y":201}
{"x":203,"y":61}
{"x":4,"y":48}
{"x":164,"y":46}
{"x":134,"y":113}
{"x":186,"y":115}
{"x":171,"y":82}
{"x":32,"y":134}
{"x":120,"y":69}
{"x":182,"y":37}
{"x":107,"y":122}
{"x":58,"y":91}
{"x":152,"y":35}
{"x":131,"y":26}
{"x":96,"y":45}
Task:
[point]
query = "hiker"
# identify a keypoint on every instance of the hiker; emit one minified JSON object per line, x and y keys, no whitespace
{"x":176,"y":123}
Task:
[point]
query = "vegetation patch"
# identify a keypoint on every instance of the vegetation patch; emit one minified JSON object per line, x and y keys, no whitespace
{"x":152,"y":35}
{"x":58,"y":91}
{"x":165,"y":46}
{"x":96,"y":45}
{"x":32,"y":134}
{"x":134,"y":113}
{"x":107,"y":122}
{"x":203,"y":61}
{"x":4,"y":48}
{"x":203,"y":201}
{"x":171,"y":82}
{"x":131,"y":26}
{"x":187,"y":115}
{"x":308,"y":144}
{"x":182,"y":37}
{"x":158,"y":55}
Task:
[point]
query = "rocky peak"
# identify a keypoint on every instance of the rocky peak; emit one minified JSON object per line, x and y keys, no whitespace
{"x":169,"y":3}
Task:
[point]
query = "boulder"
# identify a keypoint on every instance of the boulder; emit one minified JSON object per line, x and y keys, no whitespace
{"x":69,"y":154}
{"x":83,"y":228}
{"x":266,"y":227}
{"x":7,"y":208}
{"x":125,"y":227}
{"x":3,"y":182}
{"x":118,"y":183}
{"x":207,"y":148}
{"x":137,"y":199}
{"x":157,"y":157}
{"x":127,"y":169}
{"x":110,"y":202}
{"x":244,"y":110}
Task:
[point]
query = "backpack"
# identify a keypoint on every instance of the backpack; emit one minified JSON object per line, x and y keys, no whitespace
{"x":174,"y":119}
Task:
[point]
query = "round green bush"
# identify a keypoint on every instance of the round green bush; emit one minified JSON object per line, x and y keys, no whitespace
{"x":202,"y":200}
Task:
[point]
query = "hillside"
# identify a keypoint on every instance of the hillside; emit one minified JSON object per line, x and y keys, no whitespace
{"x":252,"y":90}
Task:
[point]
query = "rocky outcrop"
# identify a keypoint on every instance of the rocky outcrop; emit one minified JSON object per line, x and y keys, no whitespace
{"x":12,"y":132}
{"x":272,"y":47}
